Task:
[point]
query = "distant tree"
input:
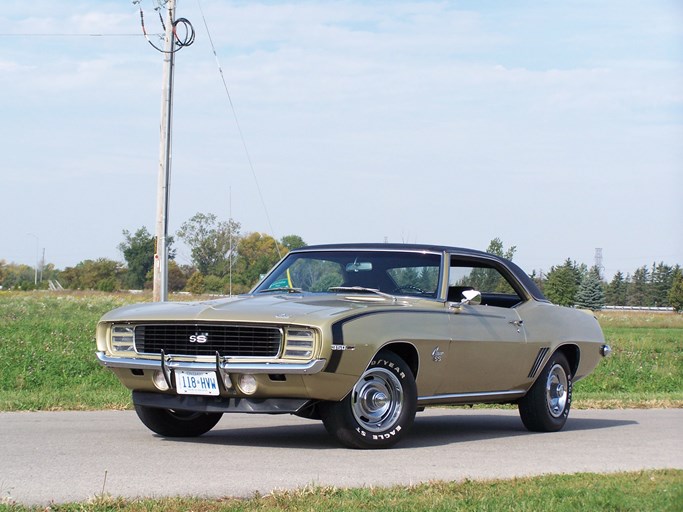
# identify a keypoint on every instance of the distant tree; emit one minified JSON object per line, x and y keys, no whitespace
{"x":210,"y":242}
{"x":213,"y":284}
{"x":676,"y":292}
{"x":256,"y":255}
{"x":590,"y":294}
{"x":563,"y":283}
{"x":661,"y":281}
{"x":17,"y":276}
{"x":616,"y":291}
{"x":195,"y":284}
{"x":291,"y":242}
{"x":138,"y":250}
{"x":177,"y":277}
{"x":638,"y":288}
{"x":101,"y":274}
{"x":496,"y":247}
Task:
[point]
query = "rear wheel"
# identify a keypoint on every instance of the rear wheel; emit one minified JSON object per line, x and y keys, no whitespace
{"x":380,"y":408}
{"x":545,"y":407}
{"x":173,"y":423}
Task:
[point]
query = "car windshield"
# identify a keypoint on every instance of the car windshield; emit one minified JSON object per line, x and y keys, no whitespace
{"x":392,"y":272}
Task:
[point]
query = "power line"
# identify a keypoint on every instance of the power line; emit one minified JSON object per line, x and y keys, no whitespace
{"x":239,"y":129}
{"x":26,"y":34}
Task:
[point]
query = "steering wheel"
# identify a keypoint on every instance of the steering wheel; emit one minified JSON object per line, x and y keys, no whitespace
{"x":408,"y":288}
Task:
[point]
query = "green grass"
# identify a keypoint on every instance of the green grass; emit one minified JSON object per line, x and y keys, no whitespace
{"x":638,"y":491}
{"x":47,"y":356}
{"x":47,"y":352}
{"x":47,"y":362}
{"x":646,"y":367}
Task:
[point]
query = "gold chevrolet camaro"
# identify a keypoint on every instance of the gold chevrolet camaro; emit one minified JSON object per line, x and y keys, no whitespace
{"x":360,"y":336}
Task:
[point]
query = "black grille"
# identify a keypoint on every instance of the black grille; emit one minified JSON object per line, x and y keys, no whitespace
{"x":198,"y":340}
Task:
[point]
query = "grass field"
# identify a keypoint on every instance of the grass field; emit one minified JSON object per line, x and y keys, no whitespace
{"x":47,"y":360}
{"x":660,"y":491}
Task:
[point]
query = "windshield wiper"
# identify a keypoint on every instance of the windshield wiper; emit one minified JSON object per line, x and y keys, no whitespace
{"x":287,"y":289}
{"x":361,"y":289}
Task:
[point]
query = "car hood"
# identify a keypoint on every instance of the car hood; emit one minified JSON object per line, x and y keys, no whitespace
{"x":293,"y":308}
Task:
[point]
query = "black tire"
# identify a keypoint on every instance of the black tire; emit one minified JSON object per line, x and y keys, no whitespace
{"x":172,"y":423}
{"x":380,"y":408}
{"x":546,"y":405}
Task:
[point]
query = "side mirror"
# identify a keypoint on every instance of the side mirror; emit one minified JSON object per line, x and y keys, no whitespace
{"x":471,"y":297}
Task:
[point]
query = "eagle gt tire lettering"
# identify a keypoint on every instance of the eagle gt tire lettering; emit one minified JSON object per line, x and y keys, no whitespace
{"x":380,"y":408}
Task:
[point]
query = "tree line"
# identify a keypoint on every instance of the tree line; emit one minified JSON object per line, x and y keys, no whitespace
{"x":225,"y":261}
{"x":656,"y":285}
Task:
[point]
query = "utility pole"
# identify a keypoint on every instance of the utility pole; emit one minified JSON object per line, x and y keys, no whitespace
{"x":35,"y":279}
{"x":160,"y":284}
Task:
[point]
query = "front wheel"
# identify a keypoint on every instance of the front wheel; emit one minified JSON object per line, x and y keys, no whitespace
{"x":546,"y":406}
{"x":172,"y":423}
{"x":380,"y":408}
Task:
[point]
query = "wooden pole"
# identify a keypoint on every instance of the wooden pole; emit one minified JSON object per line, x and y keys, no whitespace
{"x":160,"y":285}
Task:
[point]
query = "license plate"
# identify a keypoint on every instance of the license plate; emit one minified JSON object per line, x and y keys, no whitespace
{"x":196,"y":383}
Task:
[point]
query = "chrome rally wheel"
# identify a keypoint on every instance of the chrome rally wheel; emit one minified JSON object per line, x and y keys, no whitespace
{"x":380,"y":408}
{"x":546,"y":405}
{"x":377,"y":400}
{"x":556,"y":390}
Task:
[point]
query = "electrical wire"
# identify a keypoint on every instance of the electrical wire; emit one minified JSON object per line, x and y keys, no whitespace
{"x":188,"y":33}
{"x":239,"y":129}
{"x":24,"y":34}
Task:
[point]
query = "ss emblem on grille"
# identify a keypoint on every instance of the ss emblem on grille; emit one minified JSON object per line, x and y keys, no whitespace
{"x":199,"y":337}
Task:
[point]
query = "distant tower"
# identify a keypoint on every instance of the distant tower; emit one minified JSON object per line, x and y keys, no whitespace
{"x":598,"y":259}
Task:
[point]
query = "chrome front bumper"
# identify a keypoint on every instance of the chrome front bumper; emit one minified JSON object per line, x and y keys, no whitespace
{"x":167,"y":362}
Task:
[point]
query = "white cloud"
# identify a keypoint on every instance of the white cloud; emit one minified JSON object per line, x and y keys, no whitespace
{"x":375,"y":119}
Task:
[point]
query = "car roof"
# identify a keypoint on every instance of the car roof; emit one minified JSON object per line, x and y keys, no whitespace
{"x":513,"y":268}
{"x":398,"y":247}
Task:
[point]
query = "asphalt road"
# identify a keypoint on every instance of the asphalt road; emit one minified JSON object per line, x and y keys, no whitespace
{"x":72,"y":456}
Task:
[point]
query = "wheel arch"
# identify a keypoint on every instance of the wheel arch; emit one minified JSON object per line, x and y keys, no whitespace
{"x":405,"y":351}
{"x":573,"y":355}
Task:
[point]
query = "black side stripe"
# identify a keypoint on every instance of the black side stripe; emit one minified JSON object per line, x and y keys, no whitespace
{"x":337,"y":339}
{"x":537,"y":363}
{"x":338,"y":334}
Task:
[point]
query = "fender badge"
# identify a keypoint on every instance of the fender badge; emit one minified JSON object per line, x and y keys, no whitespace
{"x":437,"y":355}
{"x":343,"y":347}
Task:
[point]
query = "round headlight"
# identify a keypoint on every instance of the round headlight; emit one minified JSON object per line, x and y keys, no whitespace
{"x":160,"y":381}
{"x":247,"y":384}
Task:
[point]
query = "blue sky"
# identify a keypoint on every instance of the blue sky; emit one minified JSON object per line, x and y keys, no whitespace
{"x":556,"y":126}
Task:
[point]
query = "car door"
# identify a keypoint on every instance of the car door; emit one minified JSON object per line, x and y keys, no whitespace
{"x":488,"y":350}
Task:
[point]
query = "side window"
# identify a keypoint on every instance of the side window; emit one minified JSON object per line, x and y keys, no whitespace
{"x":494,"y":287}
